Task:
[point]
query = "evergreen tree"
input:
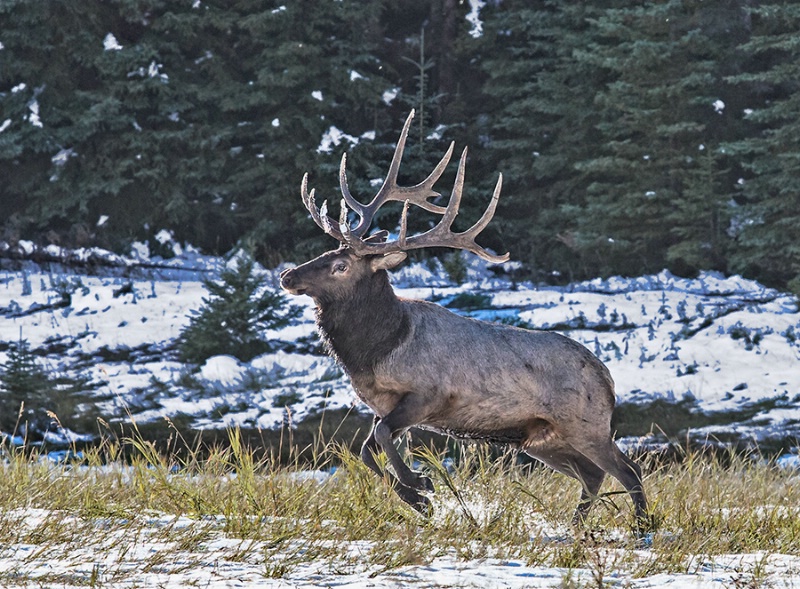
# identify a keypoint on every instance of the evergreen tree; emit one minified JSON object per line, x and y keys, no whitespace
{"x":199,"y":118}
{"x":654,"y":198}
{"x":239,"y":310}
{"x":25,"y":393}
{"x":110,"y":140}
{"x":766,"y":225}
{"x":35,"y":401}
{"x":619,"y":128}
{"x":541,"y":122}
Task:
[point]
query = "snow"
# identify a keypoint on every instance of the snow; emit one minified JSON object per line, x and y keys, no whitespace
{"x":33,"y":117}
{"x":474,"y":18}
{"x":63,"y":156}
{"x":332,"y":138}
{"x":110,"y":43}
{"x":152,"y":71}
{"x":725,"y":342}
{"x":149,"y":558}
{"x":389,"y":95}
{"x":222,"y":370}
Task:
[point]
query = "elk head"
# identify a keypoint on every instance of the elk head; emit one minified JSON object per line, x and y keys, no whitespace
{"x":334,"y":273}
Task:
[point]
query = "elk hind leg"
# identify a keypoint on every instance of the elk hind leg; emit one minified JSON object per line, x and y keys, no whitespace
{"x":568,"y":461}
{"x":610,"y":458}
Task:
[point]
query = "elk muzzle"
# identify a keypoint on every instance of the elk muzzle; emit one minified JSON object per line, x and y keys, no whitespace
{"x":291,"y":283}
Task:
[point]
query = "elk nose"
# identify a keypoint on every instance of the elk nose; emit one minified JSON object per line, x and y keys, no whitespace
{"x":288,"y":278}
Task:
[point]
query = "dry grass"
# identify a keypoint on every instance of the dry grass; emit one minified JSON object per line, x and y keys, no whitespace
{"x":156,"y":513}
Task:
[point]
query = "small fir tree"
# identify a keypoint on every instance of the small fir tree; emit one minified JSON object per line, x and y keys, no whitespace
{"x":25,"y":392}
{"x":239,"y":310}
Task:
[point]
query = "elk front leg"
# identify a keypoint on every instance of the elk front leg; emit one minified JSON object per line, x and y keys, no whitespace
{"x":406,"y":493}
{"x":407,"y":413}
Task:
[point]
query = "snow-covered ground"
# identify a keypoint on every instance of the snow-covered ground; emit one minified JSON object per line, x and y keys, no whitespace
{"x":725,"y":344}
{"x":171,"y":552}
{"x":722,"y":344}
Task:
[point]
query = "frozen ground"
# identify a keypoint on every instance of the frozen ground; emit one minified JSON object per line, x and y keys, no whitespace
{"x":724,"y":345}
{"x":169,"y":552}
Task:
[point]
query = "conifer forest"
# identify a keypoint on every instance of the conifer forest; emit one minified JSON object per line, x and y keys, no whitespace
{"x":632,"y":136}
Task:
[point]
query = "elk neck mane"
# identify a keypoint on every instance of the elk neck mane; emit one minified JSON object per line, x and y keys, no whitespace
{"x":365,"y":326}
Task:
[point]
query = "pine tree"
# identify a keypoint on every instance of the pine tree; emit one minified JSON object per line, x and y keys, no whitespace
{"x":663,"y":117}
{"x":35,"y":401}
{"x":198,"y":118}
{"x":25,"y":393}
{"x":766,"y":224}
{"x":541,"y":122}
{"x":239,"y":310}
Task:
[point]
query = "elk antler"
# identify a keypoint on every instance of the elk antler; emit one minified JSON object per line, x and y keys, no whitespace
{"x":439,"y":236}
{"x":389,"y":191}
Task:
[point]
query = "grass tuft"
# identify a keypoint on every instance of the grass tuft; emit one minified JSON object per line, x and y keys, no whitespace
{"x":125,"y":509}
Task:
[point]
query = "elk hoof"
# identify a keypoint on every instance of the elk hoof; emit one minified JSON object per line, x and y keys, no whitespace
{"x":424,"y":484}
{"x":423,"y":505}
{"x":419,"y":502}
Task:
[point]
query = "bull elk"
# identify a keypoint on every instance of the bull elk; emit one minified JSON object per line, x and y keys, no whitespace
{"x":415,"y":363}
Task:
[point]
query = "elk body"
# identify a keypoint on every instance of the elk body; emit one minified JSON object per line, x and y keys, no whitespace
{"x":415,"y":363}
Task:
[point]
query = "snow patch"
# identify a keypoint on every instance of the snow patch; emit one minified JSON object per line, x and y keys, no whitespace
{"x":34,"y":119}
{"x":332,"y":138}
{"x":222,"y":370}
{"x":110,"y":43}
{"x":474,"y":17}
{"x":389,"y":95}
{"x":62,"y":156}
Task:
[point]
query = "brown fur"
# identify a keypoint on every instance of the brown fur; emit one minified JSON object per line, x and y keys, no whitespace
{"x":415,"y":363}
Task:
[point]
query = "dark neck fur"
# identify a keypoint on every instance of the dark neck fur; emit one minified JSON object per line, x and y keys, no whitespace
{"x":362,"y":329}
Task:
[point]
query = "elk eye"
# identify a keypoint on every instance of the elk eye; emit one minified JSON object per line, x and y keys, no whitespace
{"x":340,"y":267}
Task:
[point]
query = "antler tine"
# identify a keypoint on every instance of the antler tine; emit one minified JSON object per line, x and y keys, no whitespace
{"x":489,"y":212}
{"x":455,"y":197}
{"x":481,"y":224}
{"x":319,"y":215}
{"x":401,"y":238}
{"x":348,"y":198}
{"x":390,"y":191}
{"x":427,"y":184}
{"x":442,"y":236}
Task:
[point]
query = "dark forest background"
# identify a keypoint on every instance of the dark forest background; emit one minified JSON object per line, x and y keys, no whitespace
{"x":632,"y":136}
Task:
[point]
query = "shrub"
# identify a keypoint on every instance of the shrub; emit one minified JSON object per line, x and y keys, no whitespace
{"x":470,"y":301}
{"x":234,"y":317}
{"x":456,"y":267}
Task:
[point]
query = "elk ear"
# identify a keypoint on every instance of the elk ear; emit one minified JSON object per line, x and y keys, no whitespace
{"x":388,"y":261}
